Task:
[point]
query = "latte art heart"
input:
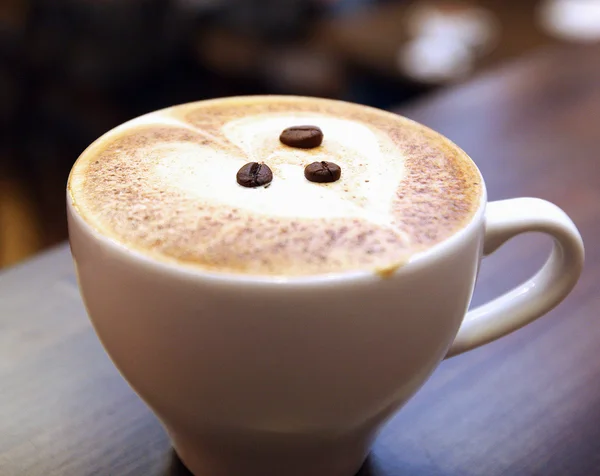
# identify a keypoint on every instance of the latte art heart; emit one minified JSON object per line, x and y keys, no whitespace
{"x":165,"y":185}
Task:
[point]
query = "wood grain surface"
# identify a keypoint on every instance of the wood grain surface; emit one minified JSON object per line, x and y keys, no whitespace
{"x":528,"y":404}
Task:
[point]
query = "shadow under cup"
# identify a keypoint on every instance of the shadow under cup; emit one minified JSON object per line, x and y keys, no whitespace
{"x":264,"y":376}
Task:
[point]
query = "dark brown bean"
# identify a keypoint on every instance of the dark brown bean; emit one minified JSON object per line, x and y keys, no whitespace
{"x":302,"y":137}
{"x":322,"y":172}
{"x":254,"y":174}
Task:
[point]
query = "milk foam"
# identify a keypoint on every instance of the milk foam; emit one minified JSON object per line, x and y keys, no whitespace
{"x":165,"y":184}
{"x":371,"y":173}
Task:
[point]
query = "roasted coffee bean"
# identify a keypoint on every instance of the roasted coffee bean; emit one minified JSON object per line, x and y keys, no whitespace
{"x":323,"y":172}
{"x":254,"y":174}
{"x":302,"y":137}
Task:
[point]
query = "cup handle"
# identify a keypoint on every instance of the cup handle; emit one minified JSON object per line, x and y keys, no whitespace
{"x":537,"y":296}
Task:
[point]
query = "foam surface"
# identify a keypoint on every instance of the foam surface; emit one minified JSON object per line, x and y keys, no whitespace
{"x":165,"y":185}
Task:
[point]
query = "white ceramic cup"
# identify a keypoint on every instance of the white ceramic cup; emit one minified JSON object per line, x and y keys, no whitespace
{"x":271,"y":377}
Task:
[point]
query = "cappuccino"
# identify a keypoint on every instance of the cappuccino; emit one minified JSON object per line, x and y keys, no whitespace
{"x":164,"y":185}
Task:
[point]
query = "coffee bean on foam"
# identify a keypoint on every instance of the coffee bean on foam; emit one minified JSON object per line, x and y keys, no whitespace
{"x":254,"y":174}
{"x":162,"y":185}
{"x":322,"y":172}
{"x":303,"y":137}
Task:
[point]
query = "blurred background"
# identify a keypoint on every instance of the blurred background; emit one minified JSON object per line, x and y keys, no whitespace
{"x":72,"y":69}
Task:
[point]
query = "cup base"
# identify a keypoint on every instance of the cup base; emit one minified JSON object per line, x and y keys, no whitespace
{"x":270,"y":455}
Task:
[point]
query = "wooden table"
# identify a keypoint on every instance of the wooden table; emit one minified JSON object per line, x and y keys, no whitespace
{"x":528,"y":404}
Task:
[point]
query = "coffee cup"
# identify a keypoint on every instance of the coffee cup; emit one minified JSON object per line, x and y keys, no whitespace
{"x":267,"y":374}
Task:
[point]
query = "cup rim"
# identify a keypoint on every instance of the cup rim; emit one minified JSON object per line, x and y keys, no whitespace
{"x":190,"y":271}
{"x":181,"y":270}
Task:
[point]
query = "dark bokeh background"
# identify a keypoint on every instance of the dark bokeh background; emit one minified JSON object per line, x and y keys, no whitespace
{"x":72,"y":69}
